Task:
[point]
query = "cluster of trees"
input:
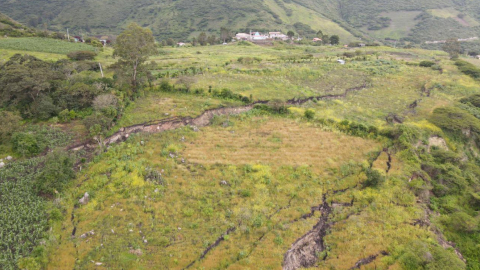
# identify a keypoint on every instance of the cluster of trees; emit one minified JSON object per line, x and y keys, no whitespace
{"x":72,"y":89}
{"x":305,"y":31}
{"x":334,"y":39}
{"x":40,"y":90}
{"x":325,"y":39}
{"x":203,"y":39}
{"x":452,"y":47}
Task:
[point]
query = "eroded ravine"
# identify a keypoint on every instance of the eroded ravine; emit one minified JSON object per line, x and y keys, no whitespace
{"x":203,"y":120}
{"x":304,"y":252}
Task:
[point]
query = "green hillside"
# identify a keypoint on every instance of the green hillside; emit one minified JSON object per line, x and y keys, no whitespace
{"x":240,"y":157}
{"x":415,"y":21}
{"x":11,"y":28}
{"x":175,"y":19}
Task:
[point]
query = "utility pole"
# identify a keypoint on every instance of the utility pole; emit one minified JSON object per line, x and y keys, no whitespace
{"x":101,"y":70}
{"x":68,"y":35}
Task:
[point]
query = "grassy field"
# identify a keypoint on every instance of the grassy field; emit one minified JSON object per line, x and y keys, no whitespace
{"x":452,"y":13}
{"x":158,"y":106}
{"x":128,"y":214}
{"x":45,"y":45}
{"x":162,"y":200}
{"x":400,"y":26}
{"x":5,"y":54}
{"x":272,"y":179}
{"x":384,"y":70}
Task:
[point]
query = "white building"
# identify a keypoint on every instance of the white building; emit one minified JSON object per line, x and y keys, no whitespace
{"x":278,"y":35}
{"x":259,"y":36}
{"x":243,"y":36}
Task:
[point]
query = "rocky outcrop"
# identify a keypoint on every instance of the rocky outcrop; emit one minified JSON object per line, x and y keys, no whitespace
{"x":85,"y":198}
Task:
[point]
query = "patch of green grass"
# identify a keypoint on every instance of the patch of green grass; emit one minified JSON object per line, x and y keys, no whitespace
{"x":160,"y":105}
{"x":45,"y":45}
{"x":400,"y":26}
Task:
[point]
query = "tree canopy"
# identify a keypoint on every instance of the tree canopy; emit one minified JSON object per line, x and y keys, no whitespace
{"x":134,"y":46}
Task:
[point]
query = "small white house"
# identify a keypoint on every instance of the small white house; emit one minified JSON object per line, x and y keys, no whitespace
{"x":180,"y":44}
{"x":243,"y":36}
{"x":258,"y":36}
{"x":277,"y":35}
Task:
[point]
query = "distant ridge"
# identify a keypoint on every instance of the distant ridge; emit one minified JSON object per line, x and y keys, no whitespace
{"x":406,"y":20}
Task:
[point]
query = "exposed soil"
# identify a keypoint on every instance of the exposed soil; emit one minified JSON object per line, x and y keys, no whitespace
{"x":216,"y":243}
{"x":200,"y":121}
{"x":368,"y":260}
{"x":389,"y":162}
{"x":304,"y":252}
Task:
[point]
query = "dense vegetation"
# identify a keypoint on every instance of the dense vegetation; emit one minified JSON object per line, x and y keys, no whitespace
{"x":411,"y":21}
{"x":11,"y":28}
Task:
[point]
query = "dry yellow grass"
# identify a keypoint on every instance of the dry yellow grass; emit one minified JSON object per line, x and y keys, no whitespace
{"x":277,"y":142}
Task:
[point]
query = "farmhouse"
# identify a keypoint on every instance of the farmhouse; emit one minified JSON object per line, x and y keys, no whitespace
{"x":260,"y":37}
{"x":278,"y":35}
{"x":243,"y":36}
{"x":316,"y":39}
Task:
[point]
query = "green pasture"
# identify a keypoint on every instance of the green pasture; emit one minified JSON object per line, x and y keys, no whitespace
{"x":44,"y":45}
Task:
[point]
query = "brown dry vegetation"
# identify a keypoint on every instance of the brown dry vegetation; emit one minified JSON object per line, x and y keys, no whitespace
{"x":277,"y":142}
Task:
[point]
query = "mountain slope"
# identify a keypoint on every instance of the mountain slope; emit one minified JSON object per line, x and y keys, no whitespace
{"x":9,"y":27}
{"x":176,"y":19}
{"x":412,"y":20}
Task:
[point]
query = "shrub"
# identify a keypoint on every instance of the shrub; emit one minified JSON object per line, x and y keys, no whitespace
{"x":349,"y":54}
{"x":25,"y":144}
{"x":455,"y":119}
{"x":462,"y":222}
{"x":28,"y":263}
{"x":105,"y":101}
{"x":244,"y":43}
{"x":246,"y":60}
{"x":374,"y":178}
{"x":82,"y":55}
{"x":97,"y":120}
{"x":473,"y":99}
{"x":426,"y":63}
{"x":227,"y":93}
{"x":278,"y":106}
{"x":10,"y":123}
{"x":278,"y":240}
{"x":245,"y":193}
{"x":468,"y":69}
{"x":309,"y":114}
{"x":64,"y":116}
{"x":418,"y":255}
{"x":56,"y":174}
{"x":43,"y":108}
{"x":165,"y":86}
